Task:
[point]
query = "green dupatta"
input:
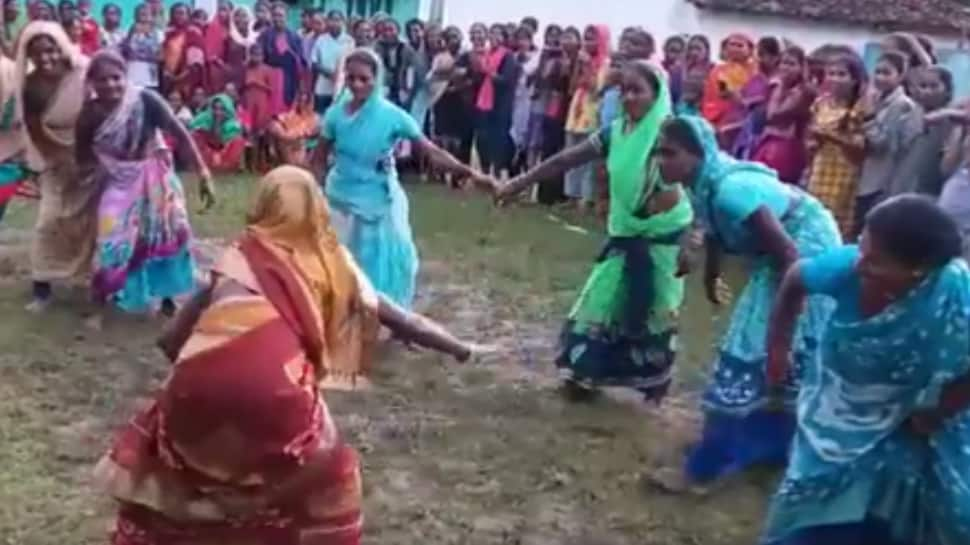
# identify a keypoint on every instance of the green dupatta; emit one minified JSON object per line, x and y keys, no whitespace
{"x":230,"y":127}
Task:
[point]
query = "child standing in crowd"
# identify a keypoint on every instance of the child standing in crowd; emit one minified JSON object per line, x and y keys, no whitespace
{"x":836,"y":139}
{"x":112,"y":35}
{"x":142,"y":49}
{"x":90,"y":31}
{"x":260,"y":96}
{"x":892,"y":123}
{"x":583,"y":117}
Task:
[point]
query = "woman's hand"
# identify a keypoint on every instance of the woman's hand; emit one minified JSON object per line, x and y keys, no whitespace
{"x":206,"y":189}
{"x":718,"y":292}
{"x":505,"y":192}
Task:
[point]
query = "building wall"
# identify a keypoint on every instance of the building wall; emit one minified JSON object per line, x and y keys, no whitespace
{"x":661,"y":17}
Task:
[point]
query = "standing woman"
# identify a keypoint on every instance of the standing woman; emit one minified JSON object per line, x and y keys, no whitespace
{"x":883,"y":442}
{"x":52,"y":92}
{"x":370,"y":207}
{"x":622,"y":330}
{"x":216,"y":42}
{"x":143,"y":50}
{"x":143,"y":255}
{"x":674,"y":61}
{"x":919,"y":171}
{"x":183,"y":53}
{"x":782,"y":144}
{"x":495,"y":102}
{"x":242,"y":37}
{"x":746,"y":211}
{"x":555,"y":86}
{"x":283,"y":50}
{"x":582,"y":118}
{"x":454,"y":110}
{"x":416,"y":73}
{"x":754,"y":97}
{"x":836,"y":139}
{"x":721,"y":103}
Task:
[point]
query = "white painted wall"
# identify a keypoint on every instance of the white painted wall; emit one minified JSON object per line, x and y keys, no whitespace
{"x":661,"y":17}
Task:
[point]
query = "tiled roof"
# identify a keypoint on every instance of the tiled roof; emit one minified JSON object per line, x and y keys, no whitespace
{"x":917,"y":15}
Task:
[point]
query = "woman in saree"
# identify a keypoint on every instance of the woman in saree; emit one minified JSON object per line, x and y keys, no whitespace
{"x":216,"y":36}
{"x":143,"y":254}
{"x":721,"y":103}
{"x":744,"y":210}
{"x":242,"y":37}
{"x":754,"y":97}
{"x":291,"y":132}
{"x":218,"y":134}
{"x":239,"y":446}
{"x":782,"y":143}
{"x":52,"y":94}
{"x":12,"y":168}
{"x":836,"y":138}
{"x":370,"y":207}
{"x":497,"y":74}
{"x":883,"y":441}
{"x":622,"y":330}
{"x":183,"y":53}
{"x":283,"y":50}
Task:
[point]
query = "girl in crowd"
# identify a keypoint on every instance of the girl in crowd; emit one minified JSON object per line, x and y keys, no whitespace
{"x":90,"y":30}
{"x":142,"y":49}
{"x":183,"y":53}
{"x":745,"y":211}
{"x":753,"y":98}
{"x":179,"y":107}
{"x":919,"y":170}
{"x":836,"y":139}
{"x":287,"y":311}
{"x":527,"y":57}
{"x":416,"y":75}
{"x":692,"y":76}
{"x":398,"y":59}
{"x":261,"y":94}
{"x":143,"y":251}
{"x":560,"y":51}
{"x":883,"y":429}
{"x":720,"y":103}
{"x":782,"y":143}
{"x":218,"y":134}
{"x":455,"y":107}
{"x":112,"y":35}
{"x":582,"y":118}
{"x":216,"y":36}
{"x":283,"y":50}
{"x":370,"y":207}
{"x":52,"y":93}
{"x":674,"y":57}
{"x":622,"y":329}
{"x":242,"y":37}
{"x":262,"y":16}
{"x":497,"y":74}
{"x":12,"y":172}
{"x":290,"y":132}
{"x":892,"y":123}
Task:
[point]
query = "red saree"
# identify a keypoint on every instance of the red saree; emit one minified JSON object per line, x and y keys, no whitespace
{"x":240,"y":413}
{"x":220,"y":156}
{"x":183,"y":60}
{"x":216,"y":42}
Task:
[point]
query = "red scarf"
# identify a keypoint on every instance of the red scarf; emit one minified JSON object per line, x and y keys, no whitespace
{"x":486,"y":93}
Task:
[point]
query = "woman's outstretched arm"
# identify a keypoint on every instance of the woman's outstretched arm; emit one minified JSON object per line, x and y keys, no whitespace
{"x":417,"y":329}
{"x":781,"y":326}
{"x":444,"y":160}
{"x":559,"y":163}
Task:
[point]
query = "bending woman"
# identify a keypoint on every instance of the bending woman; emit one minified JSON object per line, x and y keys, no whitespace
{"x":53,"y":91}
{"x":883,"y":442}
{"x":623,"y":328}
{"x":144,"y":236}
{"x":746,"y":211}
{"x":370,"y":207}
{"x":239,"y":446}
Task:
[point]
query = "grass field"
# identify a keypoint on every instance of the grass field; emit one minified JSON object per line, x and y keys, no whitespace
{"x":478,"y":454}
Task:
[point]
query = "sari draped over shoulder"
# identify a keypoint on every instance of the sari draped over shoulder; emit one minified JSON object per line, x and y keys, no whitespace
{"x":12,"y":171}
{"x":63,"y":244}
{"x":622,"y":328}
{"x":853,"y":458}
{"x":727,"y":115}
{"x":242,"y":410}
{"x":143,"y":252}
{"x":183,"y":60}
{"x":746,"y":423}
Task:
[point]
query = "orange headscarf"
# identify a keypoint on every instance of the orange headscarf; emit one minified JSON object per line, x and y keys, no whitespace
{"x":291,"y":215}
{"x":596,"y":66}
{"x":729,"y":74}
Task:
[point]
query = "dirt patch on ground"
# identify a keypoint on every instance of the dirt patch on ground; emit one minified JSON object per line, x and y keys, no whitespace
{"x":483,"y":453}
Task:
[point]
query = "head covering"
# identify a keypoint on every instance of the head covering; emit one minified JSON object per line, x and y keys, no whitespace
{"x":230,"y":127}
{"x":290,"y":212}
{"x":717,"y":165}
{"x":377,"y":93}
{"x":237,"y":37}
{"x":597,"y":65}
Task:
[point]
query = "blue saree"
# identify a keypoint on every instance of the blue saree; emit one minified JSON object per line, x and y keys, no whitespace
{"x":745,"y":424}
{"x":854,"y":465}
{"x":370,"y":209}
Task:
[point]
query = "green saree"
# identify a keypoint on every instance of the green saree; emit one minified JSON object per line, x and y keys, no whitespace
{"x":622,"y":329}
